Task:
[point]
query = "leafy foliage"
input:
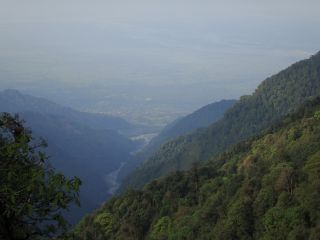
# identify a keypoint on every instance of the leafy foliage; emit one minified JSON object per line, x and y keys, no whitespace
{"x":32,"y":195}
{"x":81,"y":144}
{"x":277,"y":96}
{"x":267,"y":187}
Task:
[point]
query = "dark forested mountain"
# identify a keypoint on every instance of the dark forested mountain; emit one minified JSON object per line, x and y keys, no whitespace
{"x":78,"y":150}
{"x":79,"y":144}
{"x":198,"y":119}
{"x":203,"y":117}
{"x":267,"y":187}
{"x":274,"y":97}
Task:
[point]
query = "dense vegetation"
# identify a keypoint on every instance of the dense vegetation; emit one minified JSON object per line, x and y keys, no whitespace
{"x":32,"y":194}
{"x":201,"y":118}
{"x":78,"y":150}
{"x":274,"y":98}
{"x":79,"y":144}
{"x":267,"y":187}
{"x":198,"y":119}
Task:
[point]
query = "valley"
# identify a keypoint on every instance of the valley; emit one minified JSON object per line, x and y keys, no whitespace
{"x":112,"y":180}
{"x":170,"y":185}
{"x":159,"y":120}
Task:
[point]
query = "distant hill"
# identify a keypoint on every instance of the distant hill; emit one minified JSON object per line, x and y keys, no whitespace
{"x":13,"y":100}
{"x":198,"y":119}
{"x":274,"y":98}
{"x":267,"y":187}
{"x":80,"y":144}
{"x":201,"y":118}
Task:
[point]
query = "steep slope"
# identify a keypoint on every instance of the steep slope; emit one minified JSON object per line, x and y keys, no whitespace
{"x":79,"y":144}
{"x":198,"y":119}
{"x":274,"y":97}
{"x":201,"y":118}
{"x":78,"y":150}
{"x":267,"y":187}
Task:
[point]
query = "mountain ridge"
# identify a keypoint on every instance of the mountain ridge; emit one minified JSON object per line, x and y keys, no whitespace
{"x":78,"y":145}
{"x":266,"y":187}
{"x":12,"y":100}
{"x":200,"y":118}
{"x":278,"y":95}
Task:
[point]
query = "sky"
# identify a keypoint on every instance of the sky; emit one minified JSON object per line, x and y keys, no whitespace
{"x":103,"y":55}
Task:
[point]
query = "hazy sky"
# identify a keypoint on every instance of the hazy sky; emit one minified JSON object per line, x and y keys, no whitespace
{"x":168,"y":51}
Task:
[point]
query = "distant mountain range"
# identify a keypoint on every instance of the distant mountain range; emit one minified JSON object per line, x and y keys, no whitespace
{"x":79,"y":144}
{"x":274,"y":98}
{"x":13,"y":100}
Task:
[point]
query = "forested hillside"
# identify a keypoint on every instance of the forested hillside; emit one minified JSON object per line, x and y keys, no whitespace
{"x":201,"y":118}
{"x":33,"y":196}
{"x":267,"y":187}
{"x":274,"y":97}
{"x":77,"y":150}
{"x":198,"y":119}
{"x":79,"y":144}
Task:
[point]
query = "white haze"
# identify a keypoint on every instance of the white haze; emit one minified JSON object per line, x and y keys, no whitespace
{"x":156,"y":58}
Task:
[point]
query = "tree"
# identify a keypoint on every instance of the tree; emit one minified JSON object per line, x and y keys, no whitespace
{"x":161,"y":230}
{"x":32,"y":194}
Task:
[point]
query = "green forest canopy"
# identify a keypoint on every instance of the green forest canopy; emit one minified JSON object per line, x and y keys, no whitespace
{"x":274,"y":98}
{"x":267,"y":187}
{"x":32,"y":195}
